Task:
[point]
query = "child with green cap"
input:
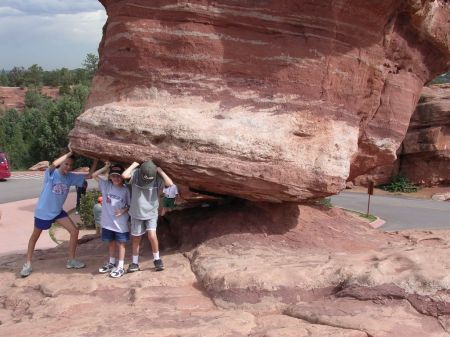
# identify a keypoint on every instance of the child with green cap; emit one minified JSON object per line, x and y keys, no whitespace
{"x":146,"y":183}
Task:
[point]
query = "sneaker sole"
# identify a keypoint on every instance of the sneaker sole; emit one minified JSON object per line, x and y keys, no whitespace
{"x":120,"y":275}
{"x":159,"y":268}
{"x":73,"y":267}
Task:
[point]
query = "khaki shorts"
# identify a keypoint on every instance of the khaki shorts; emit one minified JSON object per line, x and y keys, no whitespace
{"x":139,"y":227}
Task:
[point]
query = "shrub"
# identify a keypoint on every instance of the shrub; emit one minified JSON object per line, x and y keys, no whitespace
{"x":400,"y":184}
{"x":87,"y":203}
{"x":325,"y":202}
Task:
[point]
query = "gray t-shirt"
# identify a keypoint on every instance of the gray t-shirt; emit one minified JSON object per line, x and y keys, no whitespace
{"x":114,"y":198}
{"x":144,"y":197}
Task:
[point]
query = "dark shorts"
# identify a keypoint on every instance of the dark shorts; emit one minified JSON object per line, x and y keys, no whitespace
{"x":109,"y":235}
{"x":168,"y":202}
{"x":46,"y":224}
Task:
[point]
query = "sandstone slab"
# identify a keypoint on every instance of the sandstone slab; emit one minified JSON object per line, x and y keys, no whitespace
{"x":266,"y":101}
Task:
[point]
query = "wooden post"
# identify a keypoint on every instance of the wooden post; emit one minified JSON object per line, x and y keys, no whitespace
{"x":370,"y":192}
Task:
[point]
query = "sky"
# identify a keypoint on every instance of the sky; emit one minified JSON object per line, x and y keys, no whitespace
{"x":50,"y":33}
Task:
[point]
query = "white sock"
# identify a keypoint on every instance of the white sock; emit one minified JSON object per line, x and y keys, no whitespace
{"x":120,"y":264}
{"x":112,"y":260}
{"x":156,"y":256}
{"x":136,"y":259}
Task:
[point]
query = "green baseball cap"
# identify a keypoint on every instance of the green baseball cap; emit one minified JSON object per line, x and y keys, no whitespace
{"x":148,"y":171}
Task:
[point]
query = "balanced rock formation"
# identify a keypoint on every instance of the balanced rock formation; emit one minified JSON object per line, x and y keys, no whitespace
{"x":425,"y":156}
{"x":263,"y":100}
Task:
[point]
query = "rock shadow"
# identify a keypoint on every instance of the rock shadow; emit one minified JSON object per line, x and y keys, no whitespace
{"x":185,"y":229}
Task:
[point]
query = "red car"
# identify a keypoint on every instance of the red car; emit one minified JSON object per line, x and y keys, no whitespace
{"x":4,"y":167}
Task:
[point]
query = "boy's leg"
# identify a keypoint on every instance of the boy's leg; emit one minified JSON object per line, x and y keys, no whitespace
{"x":121,"y":253}
{"x":112,"y":251}
{"x":68,"y":224}
{"x":153,"y":240}
{"x":108,"y":237}
{"x":135,"y":244}
{"x":32,"y":243}
{"x":119,"y":271}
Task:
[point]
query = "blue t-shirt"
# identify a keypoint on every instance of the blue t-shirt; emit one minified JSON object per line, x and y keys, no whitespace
{"x":54,"y":193}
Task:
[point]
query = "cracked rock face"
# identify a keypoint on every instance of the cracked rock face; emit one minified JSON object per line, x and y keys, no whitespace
{"x":234,"y":272}
{"x":425,"y":154}
{"x":264,"y":100}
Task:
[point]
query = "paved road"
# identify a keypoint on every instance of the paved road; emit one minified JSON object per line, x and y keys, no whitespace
{"x":22,"y":188}
{"x":399,"y":212}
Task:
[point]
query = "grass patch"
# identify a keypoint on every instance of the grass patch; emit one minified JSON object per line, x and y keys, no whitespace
{"x":325,"y":202}
{"x":369,"y":217}
{"x":400,"y":183}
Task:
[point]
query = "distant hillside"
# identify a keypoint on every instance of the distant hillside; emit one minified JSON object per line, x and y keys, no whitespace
{"x":14,"y":97}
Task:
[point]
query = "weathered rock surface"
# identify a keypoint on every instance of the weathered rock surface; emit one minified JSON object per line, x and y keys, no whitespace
{"x":319,"y":274}
{"x":41,"y":166}
{"x":14,"y":97}
{"x":287,"y":99}
{"x":425,"y":156}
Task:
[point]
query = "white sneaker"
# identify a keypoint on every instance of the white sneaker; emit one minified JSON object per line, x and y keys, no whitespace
{"x":26,"y":270}
{"x":117,"y":272}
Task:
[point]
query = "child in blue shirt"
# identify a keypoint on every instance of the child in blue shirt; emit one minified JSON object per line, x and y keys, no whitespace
{"x":57,"y":181}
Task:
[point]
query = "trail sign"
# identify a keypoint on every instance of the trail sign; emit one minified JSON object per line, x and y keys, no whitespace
{"x":370,"y":192}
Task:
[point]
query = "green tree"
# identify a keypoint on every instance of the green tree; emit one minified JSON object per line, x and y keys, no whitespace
{"x":33,"y":99}
{"x":33,"y":76}
{"x":4,"y":82}
{"x":11,"y":139}
{"x":51,"y":78}
{"x":90,"y":63}
{"x":16,"y":77}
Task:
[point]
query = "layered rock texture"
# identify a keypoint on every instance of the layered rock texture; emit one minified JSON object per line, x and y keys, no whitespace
{"x":243,"y":270}
{"x":425,"y":153}
{"x":264,"y":100}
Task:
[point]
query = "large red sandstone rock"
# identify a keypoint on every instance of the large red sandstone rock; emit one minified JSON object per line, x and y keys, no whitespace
{"x":276,"y":101}
{"x":425,"y":154}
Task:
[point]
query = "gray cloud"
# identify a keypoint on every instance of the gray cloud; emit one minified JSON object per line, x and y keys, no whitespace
{"x":47,"y":7}
{"x":51,"y":33}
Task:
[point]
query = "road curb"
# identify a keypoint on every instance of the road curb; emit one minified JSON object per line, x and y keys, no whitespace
{"x":377,"y":223}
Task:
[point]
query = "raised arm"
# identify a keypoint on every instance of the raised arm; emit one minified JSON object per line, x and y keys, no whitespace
{"x":92,"y":169}
{"x":97,"y":173}
{"x":167,"y":181}
{"x":60,"y":160}
{"x":127,"y":173}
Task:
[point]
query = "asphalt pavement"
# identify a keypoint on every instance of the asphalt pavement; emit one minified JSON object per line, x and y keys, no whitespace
{"x":400,"y":213}
{"x":22,"y":187}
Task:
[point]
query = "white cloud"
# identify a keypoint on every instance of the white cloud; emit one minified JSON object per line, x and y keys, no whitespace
{"x":51,"y":40}
{"x":46,"y":7}
{"x":9,"y":11}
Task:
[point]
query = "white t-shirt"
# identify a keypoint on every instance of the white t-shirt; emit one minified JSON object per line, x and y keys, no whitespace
{"x":171,"y":191}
